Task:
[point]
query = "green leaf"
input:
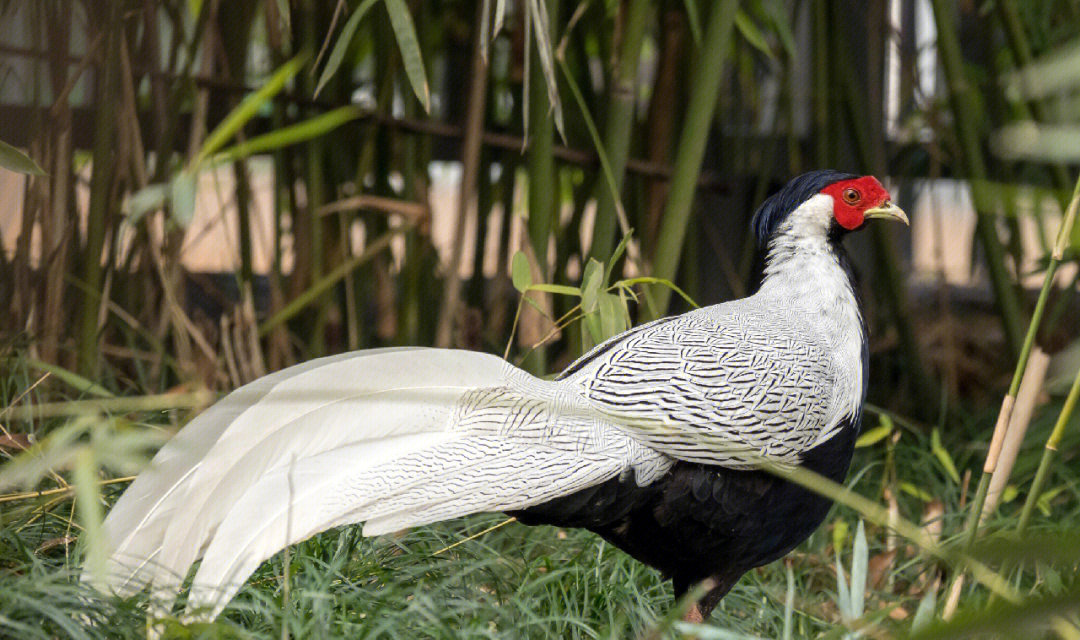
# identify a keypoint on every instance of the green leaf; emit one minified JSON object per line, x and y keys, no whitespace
{"x":520,"y":272}
{"x":500,"y":18}
{"x":542,"y":33}
{"x":247,"y":109}
{"x":924,"y":614}
{"x":912,"y":490}
{"x":1044,"y":500}
{"x":14,"y":160}
{"x":693,"y":20}
{"x":777,"y":16}
{"x":860,"y":560}
{"x":182,"y":197}
{"x":409,"y":46}
{"x":595,"y":327}
{"x":629,"y":282}
{"x":839,"y":535}
{"x":874,"y":436}
{"x":292,"y":134}
{"x":751,"y":33}
{"x":560,"y":289}
{"x":147,"y":199}
{"x":342,"y":44}
{"x":1009,"y":493}
{"x":943,"y":456}
{"x":611,"y":315}
{"x":70,"y":378}
{"x":283,"y":12}
{"x":592,"y":283}
{"x":617,"y":253}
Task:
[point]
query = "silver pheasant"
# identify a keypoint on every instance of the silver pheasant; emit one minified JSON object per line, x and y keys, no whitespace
{"x":650,"y":439}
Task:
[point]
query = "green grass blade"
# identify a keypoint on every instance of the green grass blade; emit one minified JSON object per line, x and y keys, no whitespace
{"x":71,"y":378}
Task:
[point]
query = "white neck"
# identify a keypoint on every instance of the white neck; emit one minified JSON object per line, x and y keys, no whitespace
{"x":803,"y":274}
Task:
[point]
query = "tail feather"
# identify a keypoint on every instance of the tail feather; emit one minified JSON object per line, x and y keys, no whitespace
{"x":391,"y":438}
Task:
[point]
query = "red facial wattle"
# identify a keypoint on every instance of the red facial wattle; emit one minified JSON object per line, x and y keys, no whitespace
{"x":851,"y":198}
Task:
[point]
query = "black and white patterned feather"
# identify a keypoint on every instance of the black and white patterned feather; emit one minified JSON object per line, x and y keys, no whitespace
{"x":644,"y":439}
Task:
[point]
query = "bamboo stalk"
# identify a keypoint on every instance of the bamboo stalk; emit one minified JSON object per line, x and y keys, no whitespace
{"x":618,"y":123}
{"x":101,"y":177}
{"x":966,"y":113}
{"x":470,"y":160}
{"x":705,"y":88}
{"x":1008,"y":402}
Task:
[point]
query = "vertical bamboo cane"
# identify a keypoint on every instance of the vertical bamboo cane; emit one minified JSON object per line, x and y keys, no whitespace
{"x":695,"y":133}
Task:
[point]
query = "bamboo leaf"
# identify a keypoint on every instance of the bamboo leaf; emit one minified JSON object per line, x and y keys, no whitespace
{"x":409,"y":46}
{"x":611,"y":315}
{"x":337,"y":54}
{"x":591,"y":284}
{"x":912,"y":490}
{"x":247,"y":109}
{"x":283,"y":11}
{"x":500,"y":17}
{"x":14,"y":160}
{"x":71,"y":378}
{"x":1046,"y":497}
{"x":943,"y":455}
{"x":147,"y":199}
{"x":542,"y":33}
{"x":329,"y":280}
{"x":629,"y":282}
{"x":617,"y":253}
{"x":776,"y":13}
{"x":520,"y":272}
{"x":752,"y":34}
{"x":598,"y":145}
{"x":182,"y":190}
{"x":293,"y":134}
{"x":692,"y":20}
{"x":560,"y":289}
{"x":875,"y":435}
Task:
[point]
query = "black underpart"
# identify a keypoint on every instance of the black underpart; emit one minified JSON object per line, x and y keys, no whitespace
{"x":701,"y":521}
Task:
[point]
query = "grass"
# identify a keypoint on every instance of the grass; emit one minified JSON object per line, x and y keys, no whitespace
{"x":518,"y":581}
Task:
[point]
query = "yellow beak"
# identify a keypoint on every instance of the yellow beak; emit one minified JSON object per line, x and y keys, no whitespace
{"x":888,"y":211}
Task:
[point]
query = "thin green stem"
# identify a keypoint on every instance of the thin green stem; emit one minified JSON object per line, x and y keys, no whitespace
{"x":1049,"y":452}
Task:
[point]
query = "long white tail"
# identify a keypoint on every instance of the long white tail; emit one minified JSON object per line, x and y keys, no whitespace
{"x":393,"y":438}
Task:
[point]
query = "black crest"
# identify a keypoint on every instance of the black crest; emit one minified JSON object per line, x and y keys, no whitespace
{"x":776,"y":207}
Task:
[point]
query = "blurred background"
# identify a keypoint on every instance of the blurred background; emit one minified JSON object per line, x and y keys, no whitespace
{"x":376,"y":193}
{"x":196,"y":192}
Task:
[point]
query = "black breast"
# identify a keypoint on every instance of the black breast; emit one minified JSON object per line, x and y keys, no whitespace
{"x":702,"y":520}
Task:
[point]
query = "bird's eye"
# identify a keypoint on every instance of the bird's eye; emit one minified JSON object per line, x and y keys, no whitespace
{"x":851,"y":195}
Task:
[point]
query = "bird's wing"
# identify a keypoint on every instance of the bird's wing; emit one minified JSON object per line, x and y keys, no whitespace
{"x":716,"y":388}
{"x":391,"y":438}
